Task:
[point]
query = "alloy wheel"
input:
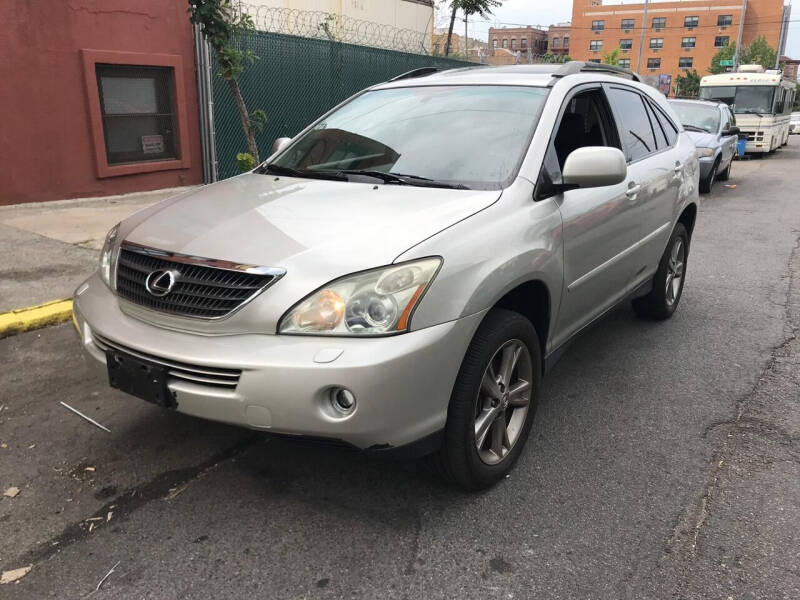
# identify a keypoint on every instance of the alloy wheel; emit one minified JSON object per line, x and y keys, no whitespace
{"x":675,"y":267}
{"x":503,"y":401}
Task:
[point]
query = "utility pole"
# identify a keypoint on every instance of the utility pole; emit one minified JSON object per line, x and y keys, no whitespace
{"x":739,"y":37}
{"x":785,"y":16}
{"x":641,"y":41}
{"x":466,"y":39}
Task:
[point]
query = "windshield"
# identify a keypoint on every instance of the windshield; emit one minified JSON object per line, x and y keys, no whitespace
{"x":697,"y":115}
{"x":474,"y":136}
{"x":745,"y":99}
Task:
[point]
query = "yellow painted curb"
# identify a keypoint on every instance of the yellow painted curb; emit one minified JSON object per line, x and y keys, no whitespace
{"x":34,"y":317}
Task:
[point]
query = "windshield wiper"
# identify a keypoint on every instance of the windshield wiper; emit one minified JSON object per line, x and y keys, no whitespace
{"x":402,"y":179}
{"x":695,"y":128}
{"x":290,"y":172}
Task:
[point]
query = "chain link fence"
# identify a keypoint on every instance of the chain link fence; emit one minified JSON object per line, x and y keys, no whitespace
{"x":297,"y":79}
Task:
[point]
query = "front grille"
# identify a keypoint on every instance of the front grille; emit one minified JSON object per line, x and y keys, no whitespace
{"x":199,"y":375}
{"x":201,"y":291}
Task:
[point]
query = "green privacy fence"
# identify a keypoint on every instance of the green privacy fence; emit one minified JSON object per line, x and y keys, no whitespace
{"x":296,"y":80}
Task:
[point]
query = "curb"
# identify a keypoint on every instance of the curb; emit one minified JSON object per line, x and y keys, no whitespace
{"x":34,"y":317}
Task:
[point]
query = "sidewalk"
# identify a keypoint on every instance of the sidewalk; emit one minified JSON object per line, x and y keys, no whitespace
{"x":48,"y":248}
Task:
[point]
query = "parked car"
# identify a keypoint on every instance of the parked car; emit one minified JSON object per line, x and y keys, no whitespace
{"x":399,"y":275}
{"x":712,"y":127}
{"x":794,"y":123}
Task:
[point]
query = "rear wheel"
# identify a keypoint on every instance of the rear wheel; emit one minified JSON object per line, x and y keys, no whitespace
{"x":663,"y":299}
{"x":493,"y":402}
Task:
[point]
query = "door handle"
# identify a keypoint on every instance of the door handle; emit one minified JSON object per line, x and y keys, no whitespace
{"x":632,"y":190}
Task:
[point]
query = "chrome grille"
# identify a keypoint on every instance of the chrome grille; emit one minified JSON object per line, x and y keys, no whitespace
{"x":205,"y":288}
{"x":200,"y":375}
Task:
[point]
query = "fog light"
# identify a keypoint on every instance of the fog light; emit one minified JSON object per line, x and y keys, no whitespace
{"x":343,"y":401}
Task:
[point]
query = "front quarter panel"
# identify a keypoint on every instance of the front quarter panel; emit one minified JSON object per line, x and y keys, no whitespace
{"x":485,"y":256}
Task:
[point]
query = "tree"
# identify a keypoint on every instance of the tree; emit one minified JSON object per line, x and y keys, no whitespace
{"x":221,"y":23}
{"x":687,"y":84}
{"x":757,"y":53}
{"x":724,"y":53}
{"x":612,"y":58}
{"x":470,"y":7}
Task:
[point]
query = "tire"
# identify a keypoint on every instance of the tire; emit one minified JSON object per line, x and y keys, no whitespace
{"x":707,"y":183}
{"x":507,"y":417}
{"x":662,"y":301}
{"x":726,"y":174}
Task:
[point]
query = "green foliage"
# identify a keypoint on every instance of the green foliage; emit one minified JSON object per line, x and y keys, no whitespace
{"x":245,"y":162}
{"x":612,"y":58}
{"x":724,"y":53}
{"x":688,"y":84}
{"x":258,"y":120}
{"x":221,"y":23}
{"x":757,"y":53}
{"x":479,"y":7}
{"x":549,"y":57}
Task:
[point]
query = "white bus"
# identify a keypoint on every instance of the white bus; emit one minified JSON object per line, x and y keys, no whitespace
{"x":761,"y":102}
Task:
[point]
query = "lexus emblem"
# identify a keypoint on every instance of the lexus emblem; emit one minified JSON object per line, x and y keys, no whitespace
{"x":160,"y":283}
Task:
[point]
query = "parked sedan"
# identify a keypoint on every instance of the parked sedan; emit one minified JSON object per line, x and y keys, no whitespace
{"x":712,"y":127}
{"x":399,"y":276}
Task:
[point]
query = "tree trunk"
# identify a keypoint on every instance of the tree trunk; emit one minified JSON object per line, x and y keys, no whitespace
{"x":244,"y":116}
{"x":450,"y":31}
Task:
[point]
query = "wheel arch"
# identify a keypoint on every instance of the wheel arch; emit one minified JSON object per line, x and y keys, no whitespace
{"x":688,"y":217}
{"x":532,"y":300}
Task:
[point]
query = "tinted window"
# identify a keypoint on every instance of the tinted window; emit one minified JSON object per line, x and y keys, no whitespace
{"x":666,"y":124}
{"x":634,"y":124}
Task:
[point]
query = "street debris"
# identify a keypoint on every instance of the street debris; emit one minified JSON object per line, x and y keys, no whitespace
{"x":106,"y":577}
{"x":109,"y":515}
{"x":730,"y":185}
{"x":175,"y":491}
{"x":4,"y":445}
{"x":80,"y":414}
{"x":15,"y":574}
{"x":32,"y":446}
{"x":11,"y":492}
{"x":90,"y":469}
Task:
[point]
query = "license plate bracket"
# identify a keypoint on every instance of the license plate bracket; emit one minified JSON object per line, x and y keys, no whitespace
{"x":140,"y":378}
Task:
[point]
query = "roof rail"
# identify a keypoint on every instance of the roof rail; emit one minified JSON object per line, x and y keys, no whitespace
{"x":421,"y":72}
{"x":579,"y":66}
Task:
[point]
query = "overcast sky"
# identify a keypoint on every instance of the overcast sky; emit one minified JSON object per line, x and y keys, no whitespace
{"x":546,"y":12}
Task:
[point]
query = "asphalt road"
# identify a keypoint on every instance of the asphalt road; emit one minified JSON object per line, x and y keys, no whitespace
{"x":663,"y":463}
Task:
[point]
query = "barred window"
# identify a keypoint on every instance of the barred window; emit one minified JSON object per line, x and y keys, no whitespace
{"x":523,"y":43}
{"x":595,"y":45}
{"x":138,"y":112}
{"x":685,"y":62}
{"x":653,"y":63}
{"x":626,"y":44}
{"x":724,"y":20}
{"x":659,"y":22}
{"x":566,"y":41}
{"x":721,"y":41}
{"x":513,"y":44}
{"x":688,"y":42}
{"x":691,"y":21}
{"x":555,"y":42}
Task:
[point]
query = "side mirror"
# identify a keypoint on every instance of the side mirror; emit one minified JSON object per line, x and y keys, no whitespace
{"x":280,"y":144}
{"x":594,"y":166}
{"x":731,"y":131}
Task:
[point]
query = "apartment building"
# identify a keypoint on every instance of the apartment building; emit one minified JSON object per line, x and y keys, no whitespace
{"x":679,"y":35}
{"x":518,"y":39}
{"x":558,"y":38}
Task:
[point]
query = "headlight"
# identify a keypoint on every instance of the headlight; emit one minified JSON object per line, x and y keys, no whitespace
{"x":376,"y":302}
{"x":705,"y":152}
{"x":107,"y":255}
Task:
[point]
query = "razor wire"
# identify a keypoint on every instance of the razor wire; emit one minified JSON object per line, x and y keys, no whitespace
{"x":337,"y":28}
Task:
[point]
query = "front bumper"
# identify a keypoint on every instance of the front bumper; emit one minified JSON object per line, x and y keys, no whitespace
{"x":402,"y":383}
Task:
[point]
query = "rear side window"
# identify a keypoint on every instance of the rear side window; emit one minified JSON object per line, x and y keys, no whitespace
{"x":634,"y":124}
{"x":661,"y":137}
{"x":669,"y":129}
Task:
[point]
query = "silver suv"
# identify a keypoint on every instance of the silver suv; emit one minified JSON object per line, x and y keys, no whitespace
{"x":399,"y":275}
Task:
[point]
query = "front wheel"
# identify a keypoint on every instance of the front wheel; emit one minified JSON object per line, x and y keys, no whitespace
{"x":663,"y":299}
{"x":726,"y":174}
{"x":707,"y":183}
{"x":493,"y":402}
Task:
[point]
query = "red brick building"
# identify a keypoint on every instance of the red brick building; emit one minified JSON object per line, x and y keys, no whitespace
{"x":559,"y":38}
{"x":518,"y":39}
{"x":99,"y":97}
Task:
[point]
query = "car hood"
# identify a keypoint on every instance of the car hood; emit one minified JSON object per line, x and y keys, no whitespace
{"x":703,"y":140}
{"x":333,"y":227}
